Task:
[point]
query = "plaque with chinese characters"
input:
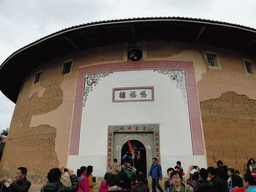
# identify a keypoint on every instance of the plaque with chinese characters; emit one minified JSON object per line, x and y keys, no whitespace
{"x":133,"y":94}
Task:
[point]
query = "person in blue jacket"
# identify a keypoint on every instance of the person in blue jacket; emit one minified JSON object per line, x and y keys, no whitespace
{"x":156,"y":174}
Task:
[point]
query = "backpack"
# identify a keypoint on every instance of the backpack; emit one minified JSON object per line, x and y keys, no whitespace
{"x":142,"y":188}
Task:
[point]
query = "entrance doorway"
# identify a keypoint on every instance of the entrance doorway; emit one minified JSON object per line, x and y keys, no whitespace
{"x":144,"y":139}
{"x":141,"y":163}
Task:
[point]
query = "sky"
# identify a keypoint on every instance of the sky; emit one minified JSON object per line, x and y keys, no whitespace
{"x":23,"y":22}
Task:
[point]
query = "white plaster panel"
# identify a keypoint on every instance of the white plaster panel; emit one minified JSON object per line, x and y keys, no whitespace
{"x":97,"y":161}
{"x":169,"y":109}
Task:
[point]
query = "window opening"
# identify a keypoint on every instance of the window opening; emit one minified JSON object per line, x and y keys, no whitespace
{"x":66,"y":67}
{"x":212,"y":61}
{"x":249,"y":67}
{"x":37,"y":77}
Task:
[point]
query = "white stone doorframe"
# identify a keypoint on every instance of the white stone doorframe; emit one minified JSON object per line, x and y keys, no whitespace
{"x":147,"y":134}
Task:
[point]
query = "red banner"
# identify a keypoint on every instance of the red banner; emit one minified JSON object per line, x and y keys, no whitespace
{"x":131,"y":150}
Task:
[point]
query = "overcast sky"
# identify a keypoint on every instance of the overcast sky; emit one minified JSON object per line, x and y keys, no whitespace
{"x":23,"y":22}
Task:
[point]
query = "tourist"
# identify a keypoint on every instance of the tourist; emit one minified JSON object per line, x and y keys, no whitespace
{"x":251,"y":168}
{"x":129,"y":167}
{"x":113,"y":182}
{"x":237,"y":184}
{"x":193,"y":173}
{"x":176,"y":178}
{"x":219,"y":185}
{"x":145,"y":179}
{"x":104,"y":185}
{"x":53,"y":184}
{"x":168,"y":182}
{"x":230,"y":172}
{"x":92,"y":180}
{"x":192,"y":176}
{"x":114,"y":167}
{"x":140,"y":185}
{"x":221,"y":170}
{"x":156,"y":174}
{"x":179,"y":168}
{"x":238,"y":173}
{"x":125,"y":178}
{"x":83,"y":185}
{"x":203,"y":185}
{"x":249,"y":183}
{"x":79,"y":173}
{"x":20,"y":184}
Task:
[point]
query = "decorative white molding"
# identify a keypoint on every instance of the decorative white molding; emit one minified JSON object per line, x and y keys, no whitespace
{"x":179,"y":77}
{"x":91,"y":80}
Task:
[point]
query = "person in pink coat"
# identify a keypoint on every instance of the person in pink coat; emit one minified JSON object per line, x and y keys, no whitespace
{"x":83,"y":185}
{"x":104,"y":185}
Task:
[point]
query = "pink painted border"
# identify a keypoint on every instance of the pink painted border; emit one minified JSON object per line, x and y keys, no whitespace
{"x":193,"y":103}
{"x":130,"y":88}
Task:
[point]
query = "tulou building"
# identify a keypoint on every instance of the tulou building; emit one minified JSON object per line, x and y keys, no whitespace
{"x":177,"y":88}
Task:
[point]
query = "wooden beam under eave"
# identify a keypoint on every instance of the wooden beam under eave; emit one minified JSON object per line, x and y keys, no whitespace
{"x":199,"y":34}
{"x":249,"y":44}
{"x":72,"y":43}
{"x":133,"y":33}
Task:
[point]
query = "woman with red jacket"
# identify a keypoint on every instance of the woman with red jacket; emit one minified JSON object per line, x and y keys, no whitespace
{"x":83,"y":185}
{"x":103,"y":185}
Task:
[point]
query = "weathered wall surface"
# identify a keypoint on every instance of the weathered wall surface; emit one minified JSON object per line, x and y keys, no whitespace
{"x":29,"y":146}
{"x":40,"y":130}
{"x":228,"y":105}
{"x":227,"y":100}
{"x":229,"y":129}
{"x":41,"y":125}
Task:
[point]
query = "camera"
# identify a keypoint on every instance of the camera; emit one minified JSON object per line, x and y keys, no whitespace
{"x":94,"y":179}
{"x":192,"y":183}
{"x":194,"y":167}
{"x":65,"y":170}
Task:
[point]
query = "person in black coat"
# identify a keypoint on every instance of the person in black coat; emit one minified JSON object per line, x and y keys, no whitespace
{"x":113,"y":183}
{"x":53,"y":184}
{"x":218,"y":184}
{"x":21,"y":184}
{"x":125,"y":182}
{"x":203,"y":185}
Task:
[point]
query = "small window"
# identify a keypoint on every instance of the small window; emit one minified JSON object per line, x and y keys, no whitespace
{"x":37,"y":77}
{"x":67,"y":67}
{"x":249,"y":67}
{"x":212,"y":61}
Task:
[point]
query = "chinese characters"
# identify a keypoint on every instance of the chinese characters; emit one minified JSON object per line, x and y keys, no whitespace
{"x":133,"y":94}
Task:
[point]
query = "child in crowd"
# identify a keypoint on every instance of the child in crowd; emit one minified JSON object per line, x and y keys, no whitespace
{"x":92,"y":180}
{"x":103,"y":185}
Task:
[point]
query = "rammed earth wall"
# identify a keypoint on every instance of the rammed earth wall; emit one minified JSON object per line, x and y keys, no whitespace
{"x":229,"y":129}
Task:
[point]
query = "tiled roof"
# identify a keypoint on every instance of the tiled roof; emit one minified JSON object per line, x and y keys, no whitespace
{"x":70,"y":40}
{"x":131,"y":20}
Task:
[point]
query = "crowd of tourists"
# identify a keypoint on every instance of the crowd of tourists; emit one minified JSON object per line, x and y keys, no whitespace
{"x":127,"y":178}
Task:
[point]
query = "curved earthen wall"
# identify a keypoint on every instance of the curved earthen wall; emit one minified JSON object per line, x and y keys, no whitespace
{"x":41,"y":126}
